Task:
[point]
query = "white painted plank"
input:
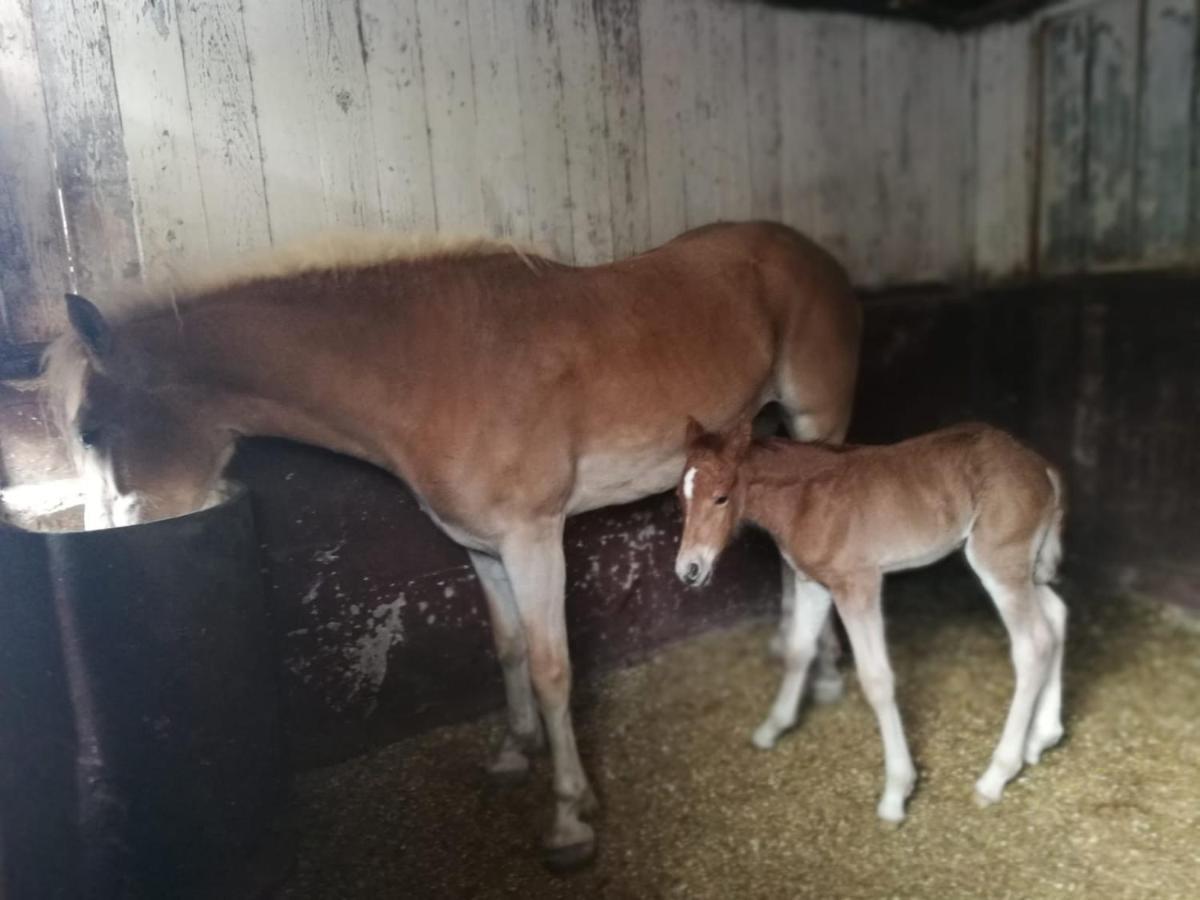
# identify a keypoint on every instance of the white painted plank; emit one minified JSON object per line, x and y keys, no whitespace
{"x":223,"y":120}
{"x":502,"y":176}
{"x":400,"y":122}
{"x":1062,"y":212}
{"x":159,"y":142}
{"x":539,"y":71}
{"x":729,"y":123}
{"x":33,"y":256}
{"x":85,"y":128}
{"x":1005,"y":120}
{"x":950,"y":173}
{"x":341,"y":106}
{"x":664,"y":54}
{"x":1164,"y":130}
{"x":695,"y":114}
{"x":450,"y":102}
{"x":765,"y":117}
{"x":583,"y":122}
{"x":800,"y":112}
{"x":621,"y":60}
{"x":286,"y":118}
{"x":1110,"y":130}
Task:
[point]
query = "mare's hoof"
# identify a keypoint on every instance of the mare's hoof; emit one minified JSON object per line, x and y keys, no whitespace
{"x":828,"y":690}
{"x":569,"y":857}
{"x":508,"y":768}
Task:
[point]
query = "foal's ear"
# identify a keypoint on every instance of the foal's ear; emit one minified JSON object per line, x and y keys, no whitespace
{"x":694,"y":430}
{"x":88,"y":322}
{"x":739,"y":437}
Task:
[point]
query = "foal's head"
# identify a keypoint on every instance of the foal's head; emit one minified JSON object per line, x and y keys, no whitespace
{"x":710,"y":495}
{"x":141,"y":442}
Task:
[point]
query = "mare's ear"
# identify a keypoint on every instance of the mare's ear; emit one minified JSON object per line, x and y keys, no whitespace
{"x":739,"y":437}
{"x":89,"y":324}
{"x":694,"y":430}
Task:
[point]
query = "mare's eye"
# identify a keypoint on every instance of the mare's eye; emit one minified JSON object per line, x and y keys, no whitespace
{"x":89,"y":437}
{"x":722,"y":500}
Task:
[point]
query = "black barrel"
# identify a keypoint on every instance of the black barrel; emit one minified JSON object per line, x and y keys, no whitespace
{"x":140,"y":747}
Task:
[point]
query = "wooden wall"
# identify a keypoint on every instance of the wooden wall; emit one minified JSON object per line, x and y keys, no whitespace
{"x":134,"y":136}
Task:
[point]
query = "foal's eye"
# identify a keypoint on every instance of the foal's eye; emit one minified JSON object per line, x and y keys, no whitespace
{"x":89,"y":437}
{"x":722,"y":500}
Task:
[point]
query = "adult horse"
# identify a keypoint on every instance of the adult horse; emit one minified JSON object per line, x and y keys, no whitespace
{"x":507,"y":390}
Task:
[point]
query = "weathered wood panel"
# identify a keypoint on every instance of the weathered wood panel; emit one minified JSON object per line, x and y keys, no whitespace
{"x":1164,"y":138}
{"x":33,"y":257}
{"x":663,"y":60}
{"x":156,"y":121}
{"x":89,"y":153}
{"x":396,"y":80}
{"x":728,"y":108}
{"x":223,"y":121}
{"x":1062,"y":211}
{"x":1004,"y":144}
{"x":765,"y":118}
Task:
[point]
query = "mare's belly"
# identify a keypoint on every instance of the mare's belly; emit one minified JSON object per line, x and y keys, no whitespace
{"x":609,"y":479}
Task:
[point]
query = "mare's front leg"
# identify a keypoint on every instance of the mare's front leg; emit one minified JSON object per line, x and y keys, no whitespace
{"x":860,"y":605}
{"x":524,"y":732}
{"x":810,"y":611}
{"x":533,"y":559}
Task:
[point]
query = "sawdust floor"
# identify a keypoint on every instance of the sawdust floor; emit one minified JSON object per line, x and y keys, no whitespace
{"x":691,"y":809}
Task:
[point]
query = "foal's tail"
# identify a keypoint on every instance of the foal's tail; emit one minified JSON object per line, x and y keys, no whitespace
{"x":1050,"y":550}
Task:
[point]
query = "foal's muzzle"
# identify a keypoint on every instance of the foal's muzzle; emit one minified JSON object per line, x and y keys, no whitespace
{"x":695,"y":569}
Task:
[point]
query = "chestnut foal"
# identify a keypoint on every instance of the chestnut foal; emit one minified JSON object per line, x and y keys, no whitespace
{"x":845,"y":516}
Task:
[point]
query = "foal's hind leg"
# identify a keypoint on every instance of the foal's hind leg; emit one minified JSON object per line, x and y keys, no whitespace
{"x":1006,"y":573}
{"x":1047,"y":729}
{"x":524,"y":732}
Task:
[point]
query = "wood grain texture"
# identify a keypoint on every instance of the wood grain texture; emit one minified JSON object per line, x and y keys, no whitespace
{"x":1063,"y":220}
{"x":400,"y":122}
{"x":33,"y":254}
{"x":1004,"y":136}
{"x":223,"y":120}
{"x":156,"y":125}
{"x":664,"y":57}
{"x":729,"y":110}
{"x":625,"y":124}
{"x":89,"y":151}
{"x":540,"y":74}
{"x":1111,"y":122}
{"x":1164,"y":139}
{"x":765,"y":116}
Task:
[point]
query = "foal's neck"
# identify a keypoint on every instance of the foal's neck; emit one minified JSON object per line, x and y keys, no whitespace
{"x":776,"y":474}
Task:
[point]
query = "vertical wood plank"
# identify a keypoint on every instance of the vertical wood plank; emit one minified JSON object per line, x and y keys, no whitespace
{"x":396,"y":82}
{"x":85,"y":127}
{"x":1062,"y":212}
{"x":286,"y":118}
{"x":1164,"y":130}
{"x":584,"y":124}
{"x":1003,"y":141}
{"x":664,"y":56}
{"x":950,"y":173}
{"x":450,"y":101}
{"x":1112,"y":80}
{"x":341,"y":105}
{"x":695,"y":114}
{"x":765,"y":116}
{"x":156,"y":124}
{"x":503,"y":180}
{"x":223,"y":119}
{"x":729,"y":123}
{"x":539,"y":71}
{"x":799,"y":110}
{"x":33,"y":255}
{"x":621,"y":66}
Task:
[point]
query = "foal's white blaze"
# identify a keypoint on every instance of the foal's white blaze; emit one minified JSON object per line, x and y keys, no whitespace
{"x":689,"y":483}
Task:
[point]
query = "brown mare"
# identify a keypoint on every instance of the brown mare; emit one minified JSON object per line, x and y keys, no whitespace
{"x":507,"y":390}
{"x":843,"y":517}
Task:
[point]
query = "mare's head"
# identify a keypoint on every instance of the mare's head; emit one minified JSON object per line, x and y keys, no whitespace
{"x":141,"y":441}
{"x":710,"y":496}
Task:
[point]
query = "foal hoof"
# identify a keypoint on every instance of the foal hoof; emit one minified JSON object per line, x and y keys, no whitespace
{"x":508,"y":768}
{"x":775,"y":646}
{"x":569,"y":857}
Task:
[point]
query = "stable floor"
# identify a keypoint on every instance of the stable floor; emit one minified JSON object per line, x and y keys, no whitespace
{"x":691,"y":809}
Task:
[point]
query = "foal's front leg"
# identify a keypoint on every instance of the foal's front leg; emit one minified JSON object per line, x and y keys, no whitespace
{"x":524,"y":732}
{"x":826,"y":684}
{"x":810,"y":611}
{"x":859,"y":604}
{"x":533,"y":559}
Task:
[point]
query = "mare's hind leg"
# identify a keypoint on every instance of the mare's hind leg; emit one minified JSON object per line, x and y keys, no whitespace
{"x":533,"y":559}
{"x":524,"y":732}
{"x":1047,"y":729}
{"x":1006,"y":572}
{"x":810,"y":611}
